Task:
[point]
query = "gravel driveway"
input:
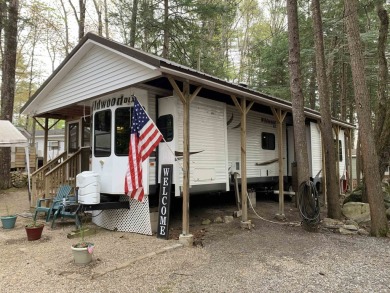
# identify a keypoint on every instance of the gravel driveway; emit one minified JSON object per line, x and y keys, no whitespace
{"x":268,"y":258}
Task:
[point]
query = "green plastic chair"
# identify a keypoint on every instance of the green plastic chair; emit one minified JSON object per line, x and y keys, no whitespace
{"x":63,"y":192}
{"x":63,"y":212}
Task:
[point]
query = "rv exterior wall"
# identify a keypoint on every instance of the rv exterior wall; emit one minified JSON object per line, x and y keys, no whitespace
{"x":152,"y":159}
{"x":169,"y":106}
{"x":208,"y":142}
{"x":112,"y":168}
{"x":342,"y":163}
{"x":257,"y":124}
{"x":316,"y":151}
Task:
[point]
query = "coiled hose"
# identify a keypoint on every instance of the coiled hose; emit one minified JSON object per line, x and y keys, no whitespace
{"x":308,"y":204}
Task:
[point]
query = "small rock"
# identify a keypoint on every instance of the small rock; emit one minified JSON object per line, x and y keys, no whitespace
{"x":351,"y":222}
{"x":331,"y":223}
{"x":206,"y":222}
{"x":351,"y":227}
{"x":228,"y":219}
{"x":218,"y":220}
{"x":363,"y":232}
{"x":347,"y":232}
{"x":198,"y":242}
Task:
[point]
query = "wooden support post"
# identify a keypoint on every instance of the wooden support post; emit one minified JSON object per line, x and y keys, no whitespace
{"x":244,"y":190}
{"x":186,"y":238}
{"x":243,"y":109}
{"x":46,"y":136}
{"x":46,"y":129}
{"x":279,"y":116}
{"x":186,"y":159}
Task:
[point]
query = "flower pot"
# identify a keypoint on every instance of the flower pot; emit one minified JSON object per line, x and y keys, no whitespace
{"x":82,"y":255}
{"x":34,"y":232}
{"x":8,"y":222}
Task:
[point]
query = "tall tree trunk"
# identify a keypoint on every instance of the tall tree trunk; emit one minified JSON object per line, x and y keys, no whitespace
{"x":8,"y":69}
{"x":3,"y":14}
{"x":80,"y":17}
{"x":67,"y":44}
{"x":98,"y":9}
{"x":379,"y":226}
{"x":133,"y":25}
{"x":382,"y":121}
{"x":331,"y":76}
{"x":312,"y":84}
{"x":343,"y":91}
{"x":165,"y":52}
{"x":334,"y":210}
{"x":296,"y":93}
{"x":106,"y":18}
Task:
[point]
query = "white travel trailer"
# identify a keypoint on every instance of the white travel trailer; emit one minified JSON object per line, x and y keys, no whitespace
{"x":92,"y":88}
{"x":214,"y":139}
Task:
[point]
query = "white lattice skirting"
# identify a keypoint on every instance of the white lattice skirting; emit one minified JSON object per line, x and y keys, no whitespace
{"x":136,"y":219}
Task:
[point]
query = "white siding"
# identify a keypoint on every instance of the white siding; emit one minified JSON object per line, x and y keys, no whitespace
{"x":152,"y":159}
{"x":316,"y":150}
{"x":208,"y":135}
{"x":256,"y":124}
{"x":100,"y":71}
{"x":342,"y":164}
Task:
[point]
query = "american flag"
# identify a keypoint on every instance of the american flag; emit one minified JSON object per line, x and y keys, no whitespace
{"x":144,"y":138}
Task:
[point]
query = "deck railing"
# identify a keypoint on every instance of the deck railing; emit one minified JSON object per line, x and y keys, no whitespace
{"x":64,"y":173}
{"x":38,"y":177}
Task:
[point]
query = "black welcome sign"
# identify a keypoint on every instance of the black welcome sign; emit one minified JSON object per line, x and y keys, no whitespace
{"x":164,"y":204}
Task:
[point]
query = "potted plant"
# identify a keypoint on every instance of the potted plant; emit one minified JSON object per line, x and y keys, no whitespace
{"x":34,"y":230}
{"x":82,"y":250}
{"x":8,"y":221}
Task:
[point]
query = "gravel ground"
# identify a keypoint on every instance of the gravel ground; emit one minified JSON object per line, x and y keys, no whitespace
{"x":268,"y":258}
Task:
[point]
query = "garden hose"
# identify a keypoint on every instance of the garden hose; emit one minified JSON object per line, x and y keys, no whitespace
{"x":308,"y":204}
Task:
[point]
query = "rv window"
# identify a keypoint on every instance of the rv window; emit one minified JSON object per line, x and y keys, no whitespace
{"x":102,"y":134}
{"x":73,"y":137}
{"x":267,"y":141}
{"x":165,"y":125}
{"x":122,"y":131}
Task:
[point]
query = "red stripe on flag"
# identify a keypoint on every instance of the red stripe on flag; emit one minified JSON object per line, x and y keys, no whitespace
{"x":141,"y":145}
